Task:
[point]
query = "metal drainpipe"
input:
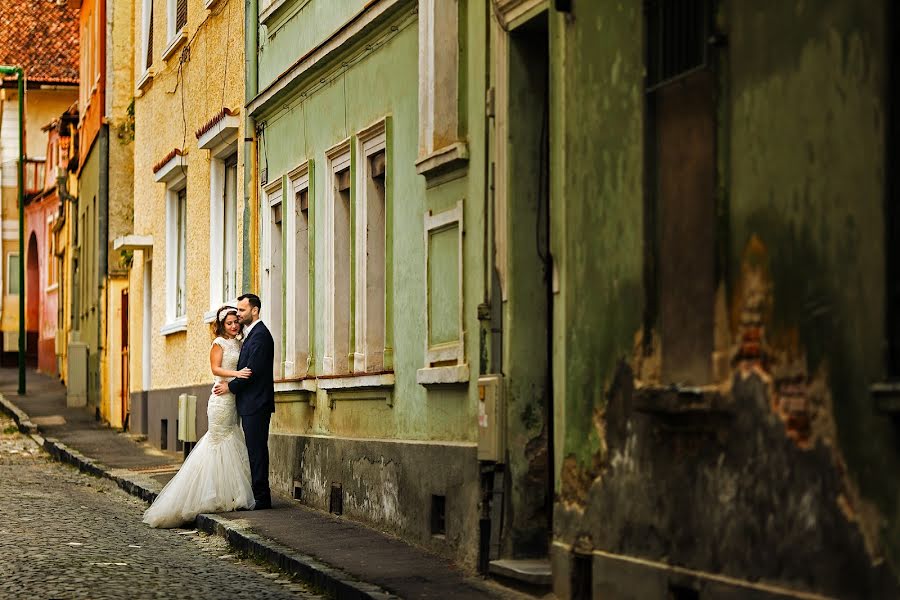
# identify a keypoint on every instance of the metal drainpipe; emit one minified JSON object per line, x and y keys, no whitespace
{"x":251,"y":78}
{"x":102,"y":237}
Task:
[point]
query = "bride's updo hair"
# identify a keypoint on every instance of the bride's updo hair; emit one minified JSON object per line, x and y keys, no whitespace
{"x":218,"y":326}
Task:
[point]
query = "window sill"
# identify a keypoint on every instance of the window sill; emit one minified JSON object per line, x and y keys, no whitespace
{"x":176,"y":326}
{"x":144,"y":81}
{"x":304,"y":384}
{"x":683,"y":408}
{"x":175,"y":43}
{"x":443,"y":375}
{"x":443,"y":161}
{"x":356,"y":381}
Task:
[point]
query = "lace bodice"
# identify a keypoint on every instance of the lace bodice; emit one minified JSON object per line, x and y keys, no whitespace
{"x":231,"y":351}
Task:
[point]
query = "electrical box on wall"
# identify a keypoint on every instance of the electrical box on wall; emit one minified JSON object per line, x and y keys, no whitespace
{"x":491,"y":419}
{"x":187,"y":418}
{"x":77,"y":385}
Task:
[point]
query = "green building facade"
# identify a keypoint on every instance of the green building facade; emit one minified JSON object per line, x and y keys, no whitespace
{"x":601,"y":284}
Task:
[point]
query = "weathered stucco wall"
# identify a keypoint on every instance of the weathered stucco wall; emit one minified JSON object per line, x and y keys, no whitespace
{"x":41,"y":107}
{"x":120,"y":113}
{"x":815,"y":207}
{"x":781,"y":472}
{"x":597,"y":205}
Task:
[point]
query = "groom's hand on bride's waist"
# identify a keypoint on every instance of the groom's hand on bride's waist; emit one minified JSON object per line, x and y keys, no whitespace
{"x":220,"y":389}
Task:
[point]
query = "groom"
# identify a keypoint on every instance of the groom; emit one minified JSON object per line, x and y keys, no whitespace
{"x":255,"y":396}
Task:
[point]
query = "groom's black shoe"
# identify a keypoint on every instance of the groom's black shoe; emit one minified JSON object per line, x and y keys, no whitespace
{"x":263,"y":504}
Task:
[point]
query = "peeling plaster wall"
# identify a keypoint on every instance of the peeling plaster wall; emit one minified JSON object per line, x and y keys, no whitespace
{"x":780,"y":473}
{"x":816,"y":205}
{"x":387,"y":484}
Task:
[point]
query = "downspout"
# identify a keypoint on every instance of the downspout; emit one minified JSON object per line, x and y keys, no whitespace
{"x":21,"y":176}
{"x":251,"y":82}
{"x":103,"y":212}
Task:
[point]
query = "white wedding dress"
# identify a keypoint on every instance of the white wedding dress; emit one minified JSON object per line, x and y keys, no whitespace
{"x":215,"y":477}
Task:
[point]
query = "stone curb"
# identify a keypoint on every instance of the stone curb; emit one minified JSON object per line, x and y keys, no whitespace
{"x":22,"y":420}
{"x":335,"y":582}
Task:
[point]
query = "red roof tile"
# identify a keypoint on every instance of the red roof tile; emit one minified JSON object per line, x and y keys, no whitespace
{"x":42,"y":37}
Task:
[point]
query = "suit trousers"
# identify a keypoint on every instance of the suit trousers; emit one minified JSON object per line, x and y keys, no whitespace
{"x":256,"y":432}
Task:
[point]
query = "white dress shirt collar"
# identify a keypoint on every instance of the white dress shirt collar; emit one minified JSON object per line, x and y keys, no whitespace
{"x":249,"y":327}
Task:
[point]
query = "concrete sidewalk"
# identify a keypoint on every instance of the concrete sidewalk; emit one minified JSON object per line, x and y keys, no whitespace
{"x":339,"y":556}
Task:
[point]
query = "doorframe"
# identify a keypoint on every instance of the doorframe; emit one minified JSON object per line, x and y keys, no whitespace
{"x":506,"y":17}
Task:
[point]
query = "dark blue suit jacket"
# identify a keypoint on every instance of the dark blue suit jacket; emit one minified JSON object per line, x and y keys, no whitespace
{"x":258,"y":392}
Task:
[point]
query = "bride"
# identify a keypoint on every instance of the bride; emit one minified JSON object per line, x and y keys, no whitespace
{"x":215,"y":477}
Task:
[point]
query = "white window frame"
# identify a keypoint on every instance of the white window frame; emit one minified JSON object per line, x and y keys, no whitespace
{"x":296,"y":351}
{"x":171,"y":16}
{"x":174,"y":37}
{"x":223,"y":240}
{"x":338,"y":159}
{"x":146,"y":16}
{"x":10,"y":276}
{"x":273,"y":289}
{"x":440,"y":145}
{"x":174,"y":321}
{"x":370,"y":141}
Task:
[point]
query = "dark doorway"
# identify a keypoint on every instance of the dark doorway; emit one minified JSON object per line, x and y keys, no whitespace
{"x":125,"y":359}
{"x":528,"y":307}
{"x":32,"y":302}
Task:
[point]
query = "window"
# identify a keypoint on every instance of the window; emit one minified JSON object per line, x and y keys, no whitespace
{"x":180,"y":253}
{"x":229,"y":235}
{"x":223,"y":241}
{"x":176,"y":255}
{"x":444,"y":339}
{"x":147,"y":35}
{"x":51,"y":253}
{"x":12,"y":274}
{"x":681,"y":183}
{"x":273,"y":268}
{"x":298,"y":310}
{"x":90,"y":53}
{"x":370,"y":251}
{"x":439,"y":139}
{"x":337,"y":338}
{"x":177,"y":17}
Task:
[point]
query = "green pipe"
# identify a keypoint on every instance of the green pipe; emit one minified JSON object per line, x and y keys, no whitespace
{"x":251,"y":73}
{"x":20,"y":76}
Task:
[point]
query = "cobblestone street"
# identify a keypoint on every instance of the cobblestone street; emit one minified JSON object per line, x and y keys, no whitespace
{"x":64,"y":534}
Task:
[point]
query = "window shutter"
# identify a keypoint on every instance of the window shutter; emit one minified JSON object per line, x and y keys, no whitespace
{"x":149,"y":57}
{"x":181,"y":15}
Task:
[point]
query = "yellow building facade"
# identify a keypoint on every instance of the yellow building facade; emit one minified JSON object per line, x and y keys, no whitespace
{"x":188,"y":197}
